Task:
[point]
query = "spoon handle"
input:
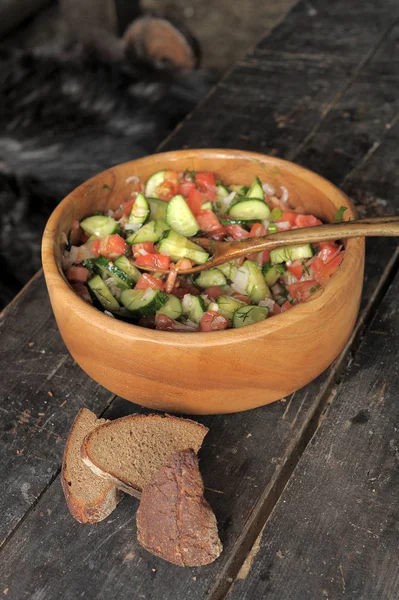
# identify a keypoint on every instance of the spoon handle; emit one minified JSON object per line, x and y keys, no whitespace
{"x":376,"y":227}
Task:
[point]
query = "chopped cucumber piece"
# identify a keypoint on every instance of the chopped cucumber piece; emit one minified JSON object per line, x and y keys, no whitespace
{"x":213,"y":306}
{"x":102,"y":293}
{"x":108,"y":269}
{"x":177,"y":246}
{"x":180,"y":218}
{"x":210,"y":278}
{"x":124,"y":264}
{"x":157,"y":209}
{"x":228,"y":306}
{"x":152,"y":183}
{"x":143,"y":302}
{"x":272,"y":273}
{"x":241,"y":190}
{"x":151,"y":232}
{"x":245,"y":222}
{"x":207,"y":206}
{"x":172,"y":308}
{"x":221,"y":192}
{"x":288,"y":253}
{"x":140,"y":211}
{"x":250,"y":281}
{"x":256,"y":190}
{"x":228,"y":269}
{"x":249,"y":209}
{"x":193,"y":307}
{"x":248,"y":315}
{"x":99,"y":225}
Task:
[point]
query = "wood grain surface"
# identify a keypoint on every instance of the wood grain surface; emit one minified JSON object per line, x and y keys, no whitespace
{"x":315,"y":70}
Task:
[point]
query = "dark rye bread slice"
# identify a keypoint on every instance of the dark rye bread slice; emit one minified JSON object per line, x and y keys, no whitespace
{"x":89,"y":498}
{"x":130,"y":450}
{"x":174,"y":521}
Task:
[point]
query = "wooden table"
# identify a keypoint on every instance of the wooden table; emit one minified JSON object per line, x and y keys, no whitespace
{"x":305,"y":490}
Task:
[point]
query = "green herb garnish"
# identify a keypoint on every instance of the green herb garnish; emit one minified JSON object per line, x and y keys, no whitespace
{"x":305,"y":269}
{"x":106,"y":187}
{"x":280,"y":269}
{"x":339,"y":214}
{"x":189,"y":175}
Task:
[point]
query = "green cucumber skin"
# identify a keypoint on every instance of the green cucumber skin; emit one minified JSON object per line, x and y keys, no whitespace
{"x":180,"y":218}
{"x":193,"y":307}
{"x":256,"y":190}
{"x":99,"y":225}
{"x":125,"y":265}
{"x":103,"y":265}
{"x":177,"y":246}
{"x":257,"y":289}
{"x":290,"y":253}
{"x":210,"y":278}
{"x":245,"y":315}
{"x":102,"y":293}
{"x":249,"y":209}
{"x":150,"y":232}
{"x":228,"y":306}
{"x":140,"y":211}
{"x":131,"y":300}
{"x":172,"y":308}
{"x":157,"y":209}
{"x":152,"y":183}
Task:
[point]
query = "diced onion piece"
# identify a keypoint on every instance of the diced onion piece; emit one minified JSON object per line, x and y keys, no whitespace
{"x":240,"y":282}
{"x":285,"y":195}
{"x":132,"y":178}
{"x":268,"y":189}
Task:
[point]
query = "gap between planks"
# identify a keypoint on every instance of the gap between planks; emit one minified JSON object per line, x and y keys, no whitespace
{"x":257,"y":521}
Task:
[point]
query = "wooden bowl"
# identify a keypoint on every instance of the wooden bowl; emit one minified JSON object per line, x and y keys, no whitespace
{"x":218,"y":372}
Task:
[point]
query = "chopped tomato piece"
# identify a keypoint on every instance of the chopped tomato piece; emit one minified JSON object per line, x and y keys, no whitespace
{"x":237,"y":232}
{"x":307,"y":221}
{"x":303,"y":290}
{"x":169,"y":187}
{"x":148,"y":321}
{"x":323,"y":272}
{"x":241,"y":297}
{"x":181,"y":288}
{"x":159,"y":261}
{"x":77,"y":274}
{"x":287,"y":217}
{"x":213,"y":321}
{"x":147,"y":247}
{"x":112,"y":246}
{"x":184,"y":264}
{"x":286,"y":306}
{"x":328,"y":250}
{"x":149,"y":281}
{"x":95,"y":247}
{"x":257,"y":230}
{"x":213,"y":292}
{"x":195,"y":200}
{"x":171,"y":278}
{"x":165,"y":323}
{"x":206,"y":184}
{"x":296,"y":268}
{"x":125,"y":208}
{"x":208,"y":221}
{"x":185,"y":188}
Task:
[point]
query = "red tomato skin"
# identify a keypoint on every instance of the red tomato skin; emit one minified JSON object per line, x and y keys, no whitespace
{"x":185,"y":188}
{"x":237,"y":232}
{"x":164,"y":323}
{"x":160,"y":261}
{"x":195,"y":200}
{"x":287,"y":217}
{"x":213,"y":321}
{"x":169,"y":187}
{"x":208,"y":221}
{"x":257,"y":230}
{"x":124,"y":209}
{"x":206,"y":184}
{"x":213,"y":292}
{"x":286,"y":306}
{"x":301,"y":291}
{"x":146,"y":246}
{"x":82,"y":291}
{"x":296,"y":268}
{"x":149,"y":281}
{"x":322,"y":271}
{"x":95,"y":247}
{"x":327,"y":251}
{"x":112,"y":246}
{"x":241,"y":297}
{"x":307,"y":221}
{"x":77,"y":274}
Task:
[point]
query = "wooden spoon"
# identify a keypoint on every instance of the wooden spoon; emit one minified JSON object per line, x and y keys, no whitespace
{"x":224,"y":251}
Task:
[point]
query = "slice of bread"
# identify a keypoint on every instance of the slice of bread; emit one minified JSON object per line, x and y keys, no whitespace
{"x":174,"y":521}
{"x":89,"y":498}
{"x":129,"y":451}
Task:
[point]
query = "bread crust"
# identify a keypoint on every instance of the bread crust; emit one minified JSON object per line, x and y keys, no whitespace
{"x":174,"y":520}
{"x":104,"y":504}
{"x":111,"y":476}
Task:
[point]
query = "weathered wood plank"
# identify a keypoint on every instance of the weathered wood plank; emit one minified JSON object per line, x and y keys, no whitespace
{"x":334,"y":532}
{"x":41,"y":390}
